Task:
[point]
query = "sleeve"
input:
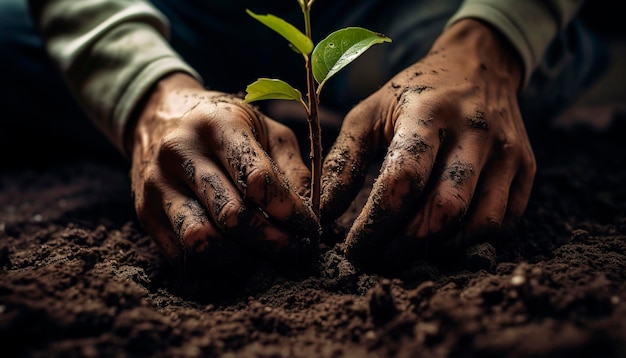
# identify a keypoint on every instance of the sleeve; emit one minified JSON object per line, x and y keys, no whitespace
{"x":110,"y":53}
{"x":530,"y":25}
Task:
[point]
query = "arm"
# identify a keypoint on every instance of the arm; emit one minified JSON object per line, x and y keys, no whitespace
{"x":111,"y":53}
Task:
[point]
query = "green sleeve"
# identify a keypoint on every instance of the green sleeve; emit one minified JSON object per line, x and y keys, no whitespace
{"x":530,"y":25}
{"x":110,"y":53}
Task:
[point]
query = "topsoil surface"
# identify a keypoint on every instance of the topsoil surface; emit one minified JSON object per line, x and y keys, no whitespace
{"x":79,"y":277}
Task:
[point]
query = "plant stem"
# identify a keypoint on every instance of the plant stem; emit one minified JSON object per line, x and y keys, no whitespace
{"x":314,"y":123}
{"x":316,"y":143}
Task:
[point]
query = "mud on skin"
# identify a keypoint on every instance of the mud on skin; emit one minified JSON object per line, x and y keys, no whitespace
{"x":449,"y":225}
{"x":249,"y":230}
{"x":387,"y":203}
{"x":339,"y":171}
{"x":401,"y":95}
{"x":458,"y":171}
{"x":302,"y":245}
{"x":216,"y":256}
{"x":478,"y":121}
{"x":195,"y":210}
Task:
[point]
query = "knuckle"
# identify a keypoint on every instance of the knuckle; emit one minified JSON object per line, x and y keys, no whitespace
{"x":452,"y":206}
{"x":406,"y":168}
{"x":508,"y":144}
{"x":412,"y":174}
{"x":257,"y":180}
{"x":171,"y":145}
{"x":227,"y":216}
{"x":514,"y":146}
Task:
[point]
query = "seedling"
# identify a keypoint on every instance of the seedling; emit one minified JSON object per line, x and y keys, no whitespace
{"x":321,"y":62}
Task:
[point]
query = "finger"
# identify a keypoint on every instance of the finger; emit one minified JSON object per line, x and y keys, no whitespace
{"x":222,"y":203}
{"x":441,"y":211}
{"x":522,"y":185}
{"x":347,"y":162}
{"x":180,"y":227}
{"x":504,"y":191}
{"x":151,"y":212}
{"x":256,"y":176}
{"x":157,"y":225}
{"x":487,"y":214}
{"x":283,"y":147}
{"x":242,"y":220}
{"x":449,"y":199}
{"x":205,"y":249}
{"x":403,"y":176}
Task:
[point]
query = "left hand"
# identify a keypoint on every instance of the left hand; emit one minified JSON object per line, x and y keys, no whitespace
{"x":217,"y":184}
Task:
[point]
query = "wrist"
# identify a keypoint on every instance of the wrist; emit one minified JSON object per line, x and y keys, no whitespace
{"x":487,"y":45}
{"x":147,"y":109}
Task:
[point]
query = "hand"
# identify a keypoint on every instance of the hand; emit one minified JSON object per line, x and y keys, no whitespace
{"x":216,"y":183}
{"x":458,"y":158}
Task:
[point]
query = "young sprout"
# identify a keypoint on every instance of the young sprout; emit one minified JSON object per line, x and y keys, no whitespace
{"x":321,"y":62}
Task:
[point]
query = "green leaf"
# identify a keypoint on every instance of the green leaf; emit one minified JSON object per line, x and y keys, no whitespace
{"x":299,"y":40}
{"x":269,"y":88}
{"x":340,"y":48}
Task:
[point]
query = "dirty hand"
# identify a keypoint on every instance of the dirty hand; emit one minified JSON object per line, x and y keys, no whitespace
{"x":458,"y":158}
{"x":216,"y":183}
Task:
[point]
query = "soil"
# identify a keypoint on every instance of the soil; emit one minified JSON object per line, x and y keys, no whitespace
{"x":79,"y":277}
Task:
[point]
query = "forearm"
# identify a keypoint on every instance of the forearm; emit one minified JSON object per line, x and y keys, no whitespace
{"x":110,"y":52}
{"x":530,"y":26}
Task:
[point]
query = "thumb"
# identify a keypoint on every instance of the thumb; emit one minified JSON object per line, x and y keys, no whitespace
{"x":347,"y":163}
{"x":283,"y":148}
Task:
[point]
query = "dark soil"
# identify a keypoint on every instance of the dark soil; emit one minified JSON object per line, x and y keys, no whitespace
{"x":79,"y":277}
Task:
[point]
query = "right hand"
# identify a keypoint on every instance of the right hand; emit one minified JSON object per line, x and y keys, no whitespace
{"x":459,"y":165}
{"x":216,"y":183}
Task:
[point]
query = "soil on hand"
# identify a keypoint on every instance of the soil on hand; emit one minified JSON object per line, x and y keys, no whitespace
{"x":79,"y":277}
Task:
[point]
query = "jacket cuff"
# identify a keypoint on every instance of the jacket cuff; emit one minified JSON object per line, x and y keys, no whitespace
{"x":111,"y":54}
{"x":136,"y":91}
{"x":121,"y":70}
{"x":528,"y":25}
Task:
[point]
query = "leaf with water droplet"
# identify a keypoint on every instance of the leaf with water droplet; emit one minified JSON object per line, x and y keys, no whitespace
{"x":340,"y":48}
{"x":269,"y":88}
